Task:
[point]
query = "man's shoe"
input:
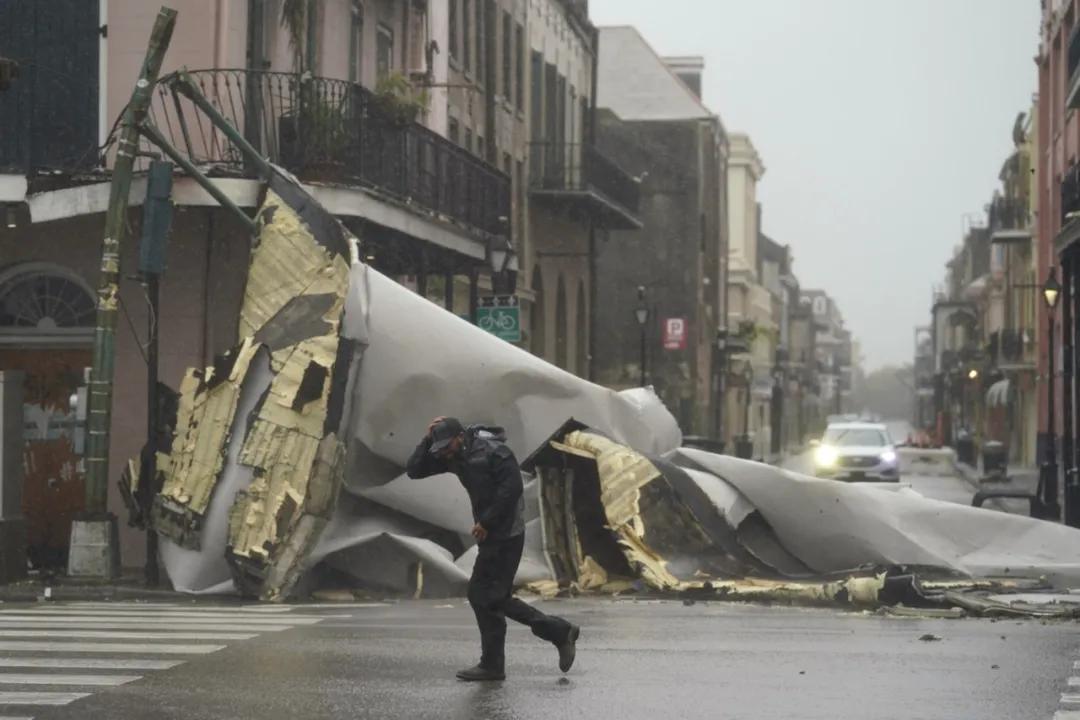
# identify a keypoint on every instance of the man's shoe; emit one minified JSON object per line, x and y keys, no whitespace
{"x":568,"y":648}
{"x":480,"y":673}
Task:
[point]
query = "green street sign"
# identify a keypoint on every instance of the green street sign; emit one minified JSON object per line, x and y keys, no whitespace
{"x":500,"y":315}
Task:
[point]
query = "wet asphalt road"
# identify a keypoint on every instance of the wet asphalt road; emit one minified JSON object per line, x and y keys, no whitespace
{"x":636,"y":660}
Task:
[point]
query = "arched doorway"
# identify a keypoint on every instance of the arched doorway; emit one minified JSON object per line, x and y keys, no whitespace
{"x":537,"y":327}
{"x":582,"y":333}
{"x":47,"y":316}
{"x":560,"y":325}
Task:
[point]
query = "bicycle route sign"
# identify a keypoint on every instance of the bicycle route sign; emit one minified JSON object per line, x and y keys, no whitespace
{"x":500,"y":315}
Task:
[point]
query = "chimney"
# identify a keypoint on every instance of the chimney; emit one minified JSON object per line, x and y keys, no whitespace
{"x":688,"y":68}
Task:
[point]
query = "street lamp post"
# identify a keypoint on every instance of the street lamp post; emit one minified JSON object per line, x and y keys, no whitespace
{"x":642,"y":314}
{"x":1048,"y":480}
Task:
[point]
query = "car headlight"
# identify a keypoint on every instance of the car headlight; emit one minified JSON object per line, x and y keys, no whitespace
{"x":825,"y":456}
{"x":888,"y":456}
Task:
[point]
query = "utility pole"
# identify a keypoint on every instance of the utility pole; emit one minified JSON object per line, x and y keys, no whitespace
{"x":94,"y":551}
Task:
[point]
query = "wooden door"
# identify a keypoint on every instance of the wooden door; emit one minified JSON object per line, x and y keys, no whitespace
{"x":53,"y":485}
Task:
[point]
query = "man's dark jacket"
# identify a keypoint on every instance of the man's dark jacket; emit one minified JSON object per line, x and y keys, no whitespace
{"x":489,"y":473}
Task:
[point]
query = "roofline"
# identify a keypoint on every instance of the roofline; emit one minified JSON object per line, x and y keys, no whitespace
{"x":675,"y":78}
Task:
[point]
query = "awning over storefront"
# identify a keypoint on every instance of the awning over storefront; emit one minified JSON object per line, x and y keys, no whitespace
{"x":998,"y":394}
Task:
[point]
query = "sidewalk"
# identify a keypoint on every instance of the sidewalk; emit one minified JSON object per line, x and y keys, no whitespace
{"x":1019,"y":479}
{"x":129,"y":586}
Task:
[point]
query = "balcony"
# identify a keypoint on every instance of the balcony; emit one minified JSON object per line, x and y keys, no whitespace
{"x":1013,"y":349}
{"x":1010,"y":221}
{"x":578,"y":175}
{"x":337,"y":132}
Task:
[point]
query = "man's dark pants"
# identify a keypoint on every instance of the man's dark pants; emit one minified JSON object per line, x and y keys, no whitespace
{"x":491,"y":596}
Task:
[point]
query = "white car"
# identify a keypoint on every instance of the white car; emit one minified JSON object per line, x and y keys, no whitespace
{"x":856,"y":451}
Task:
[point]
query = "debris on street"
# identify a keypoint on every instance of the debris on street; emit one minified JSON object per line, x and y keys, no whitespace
{"x":286,"y":469}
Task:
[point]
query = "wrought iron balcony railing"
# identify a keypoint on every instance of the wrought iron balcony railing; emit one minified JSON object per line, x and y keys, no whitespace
{"x":340,"y":132}
{"x":579,"y":169}
{"x":1014,"y":346}
{"x":1008,"y":214}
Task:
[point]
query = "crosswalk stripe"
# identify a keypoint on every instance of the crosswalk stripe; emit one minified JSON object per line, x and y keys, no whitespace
{"x":1067,"y":715}
{"x":1070,"y":698}
{"x":39,"y":624}
{"x":41,"y":679}
{"x":292,"y":620}
{"x":40,"y":698}
{"x":124,"y":635}
{"x":15,"y":717}
{"x":173,"y":607}
{"x":139,"y":648}
{"x":185,"y":606}
{"x":78,"y":663}
{"x":1074,"y":682}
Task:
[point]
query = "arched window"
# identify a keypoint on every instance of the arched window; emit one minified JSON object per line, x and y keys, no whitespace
{"x":538,"y":331}
{"x":42,"y":301}
{"x":582,"y":333}
{"x":560,"y":325}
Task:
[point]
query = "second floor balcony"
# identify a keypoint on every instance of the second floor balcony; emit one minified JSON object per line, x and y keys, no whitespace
{"x":1012,"y":348}
{"x":338,"y":132}
{"x":578,"y":174}
{"x":1010,"y":220}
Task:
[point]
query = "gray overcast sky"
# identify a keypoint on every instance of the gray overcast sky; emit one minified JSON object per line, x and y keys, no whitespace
{"x":880,"y":124}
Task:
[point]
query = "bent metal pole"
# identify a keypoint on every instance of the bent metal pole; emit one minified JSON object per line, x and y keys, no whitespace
{"x":101,"y":373}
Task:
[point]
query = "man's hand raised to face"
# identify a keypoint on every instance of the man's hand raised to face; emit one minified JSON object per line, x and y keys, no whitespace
{"x":433,"y":423}
{"x":479,"y":532}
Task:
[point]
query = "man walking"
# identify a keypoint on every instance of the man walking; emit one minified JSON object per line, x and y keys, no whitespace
{"x":490,"y":474}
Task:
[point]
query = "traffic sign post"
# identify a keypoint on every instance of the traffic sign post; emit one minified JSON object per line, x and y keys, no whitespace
{"x":500,"y":315}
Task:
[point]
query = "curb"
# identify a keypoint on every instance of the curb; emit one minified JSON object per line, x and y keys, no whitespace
{"x":63,"y":589}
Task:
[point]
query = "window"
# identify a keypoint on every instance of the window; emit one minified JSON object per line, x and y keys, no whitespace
{"x":480,"y":149}
{"x":416,"y":46}
{"x":311,"y":59}
{"x":257,"y":37}
{"x":519,"y":37}
{"x":356,"y":42}
{"x":45,"y":299}
{"x":508,"y":164}
{"x":854,"y":437}
{"x":466,"y":33}
{"x":453,"y":50}
{"x":571,"y":136}
{"x":507,"y":57}
{"x":537,"y":97}
{"x":453,"y":130}
{"x":384,"y":51}
{"x":480,"y":72}
{"x":468,"y":139}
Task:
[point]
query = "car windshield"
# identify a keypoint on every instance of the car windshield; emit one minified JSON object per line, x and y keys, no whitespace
{"x":863,"y":437}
